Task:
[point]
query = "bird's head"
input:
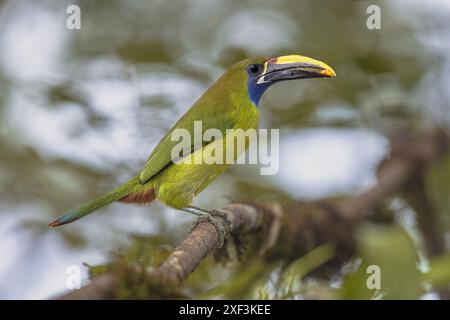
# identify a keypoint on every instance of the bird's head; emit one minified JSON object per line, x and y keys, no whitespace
{"x":261,"y":73}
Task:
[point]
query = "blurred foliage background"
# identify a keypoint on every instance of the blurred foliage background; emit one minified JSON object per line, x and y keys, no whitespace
{"x":80,"y":110}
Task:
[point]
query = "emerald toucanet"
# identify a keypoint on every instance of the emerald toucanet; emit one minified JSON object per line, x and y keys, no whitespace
{"x":230,"y":103}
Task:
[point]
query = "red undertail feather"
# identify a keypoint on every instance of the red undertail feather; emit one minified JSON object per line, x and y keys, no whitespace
{"x":142,"y":197}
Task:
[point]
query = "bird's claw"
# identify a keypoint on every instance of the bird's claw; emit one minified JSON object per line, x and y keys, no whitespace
{"x":222,"y":226}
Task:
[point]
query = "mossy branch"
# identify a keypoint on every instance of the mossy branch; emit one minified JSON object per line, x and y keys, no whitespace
{"x":288,"y":233}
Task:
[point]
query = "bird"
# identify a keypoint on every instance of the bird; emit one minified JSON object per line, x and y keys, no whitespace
{"x":232,"y":102}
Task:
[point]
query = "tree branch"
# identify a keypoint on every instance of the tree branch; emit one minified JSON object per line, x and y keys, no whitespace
{"x":295,"y":230}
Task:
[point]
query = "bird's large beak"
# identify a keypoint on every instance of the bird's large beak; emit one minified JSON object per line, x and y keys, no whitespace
{"x":294,"y":67}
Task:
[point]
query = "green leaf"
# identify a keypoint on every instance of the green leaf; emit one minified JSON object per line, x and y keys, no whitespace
{"x":247,"y":281}
{"x":438,"y":184}
{"x":389,"y":250}
{"x":290,"y":278}
{"x":439,"y":274}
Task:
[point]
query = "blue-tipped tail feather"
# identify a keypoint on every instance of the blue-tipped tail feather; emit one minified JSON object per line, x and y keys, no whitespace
{"x":131,"y":186}
{"x":88,"y":208}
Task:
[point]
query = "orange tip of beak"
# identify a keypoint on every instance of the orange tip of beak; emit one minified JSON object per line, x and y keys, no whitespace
{"x":328,"y":73}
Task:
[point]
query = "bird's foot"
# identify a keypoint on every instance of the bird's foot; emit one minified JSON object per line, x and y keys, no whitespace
{"x":222,"y":225}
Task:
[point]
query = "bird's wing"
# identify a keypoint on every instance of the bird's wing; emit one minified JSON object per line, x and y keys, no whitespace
{"x":160,"y":157}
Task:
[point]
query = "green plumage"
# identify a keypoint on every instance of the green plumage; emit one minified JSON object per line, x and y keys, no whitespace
{"x":132,"y":185}
{"x":225,"y":105}
{"x":230,"y":103}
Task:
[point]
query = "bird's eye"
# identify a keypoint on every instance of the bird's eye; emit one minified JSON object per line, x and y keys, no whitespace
{"x":254,"y":68}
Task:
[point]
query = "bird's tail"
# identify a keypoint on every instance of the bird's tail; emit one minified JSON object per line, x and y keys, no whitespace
{"x":130,"y":187}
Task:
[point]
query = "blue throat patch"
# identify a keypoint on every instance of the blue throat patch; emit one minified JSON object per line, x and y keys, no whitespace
{"x":255,"y":91}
